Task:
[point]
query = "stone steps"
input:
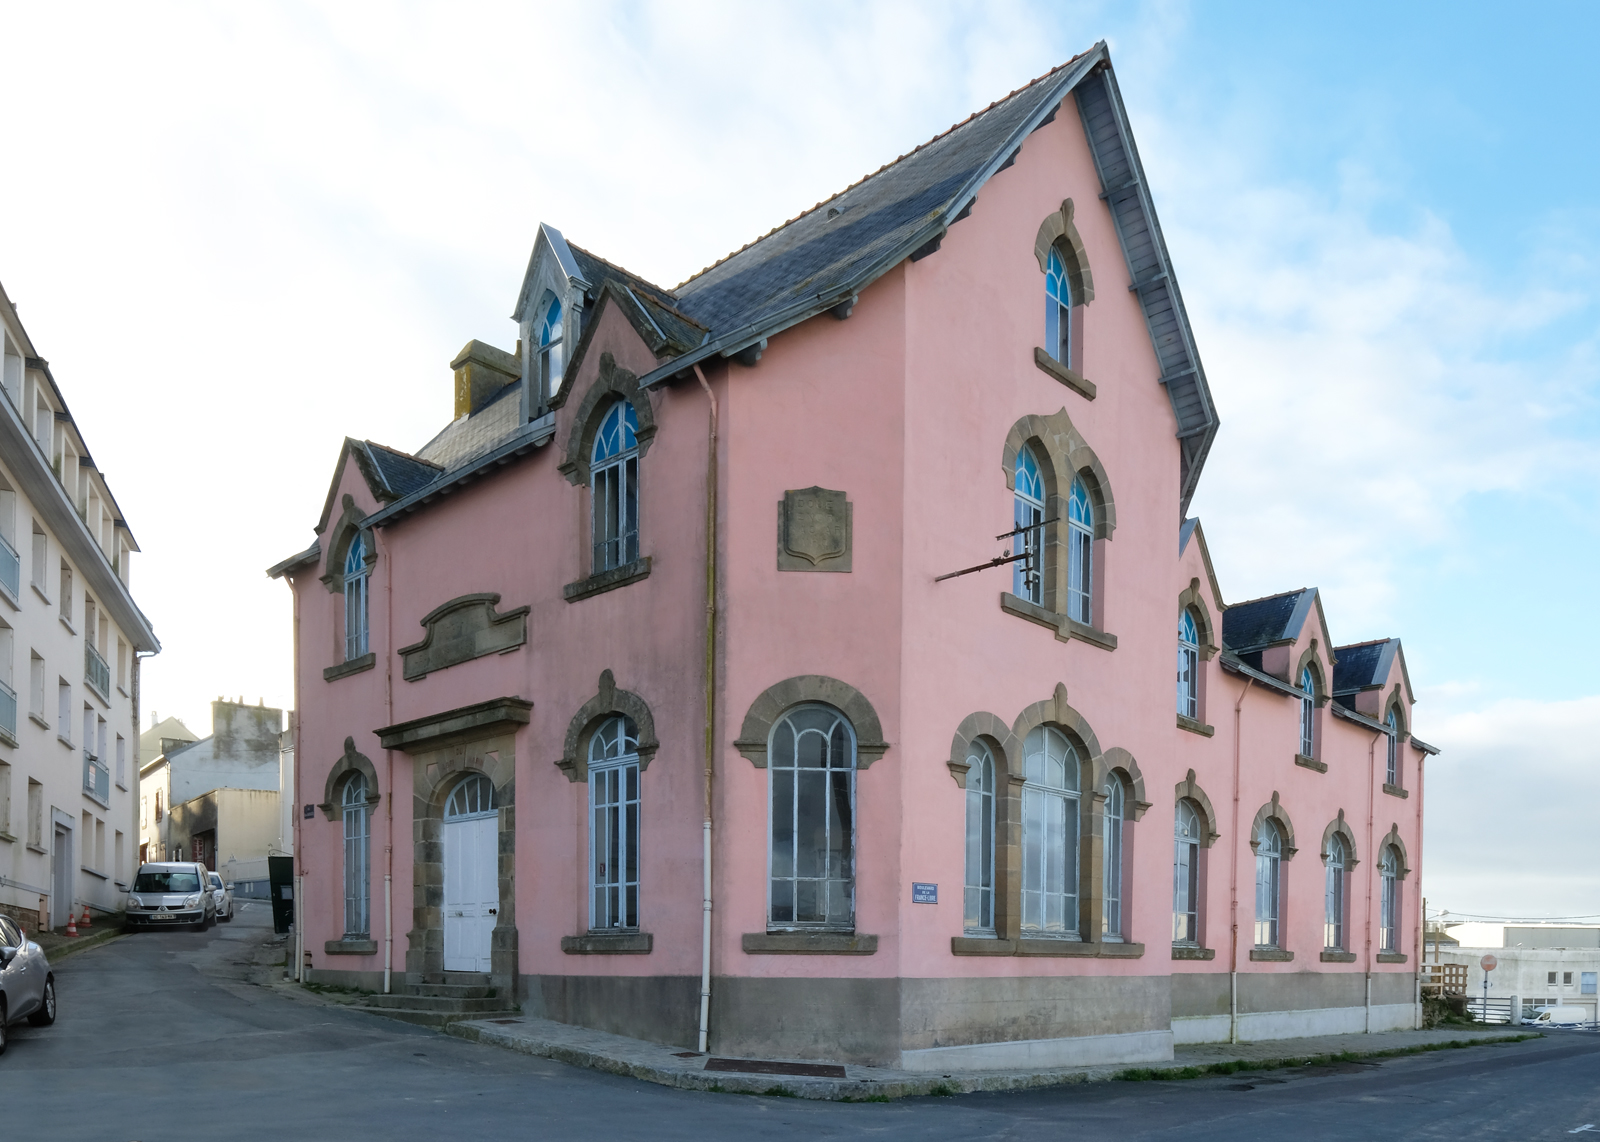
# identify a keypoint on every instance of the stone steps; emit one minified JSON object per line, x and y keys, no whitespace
{"x":439,"y":999}
{"x":443,"y":1003}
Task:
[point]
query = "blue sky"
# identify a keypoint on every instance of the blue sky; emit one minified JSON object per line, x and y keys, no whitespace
{"x":240,"y":233}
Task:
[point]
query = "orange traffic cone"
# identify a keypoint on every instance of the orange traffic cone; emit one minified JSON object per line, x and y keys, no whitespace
{"x":86,"y":921}
{"x":72,"y":928}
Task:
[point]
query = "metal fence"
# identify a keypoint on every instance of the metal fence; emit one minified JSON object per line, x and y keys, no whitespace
{"x":1489,"y":1011}
{"x":95,"y":671}
{"x":96,"y":778}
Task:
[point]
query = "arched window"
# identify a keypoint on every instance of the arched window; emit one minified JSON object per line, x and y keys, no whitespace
{"x":1188,"y":666}
{"x":550,"y":352}
{"x":1027,"y":573}
{"x":1186,"y":876}
{"x":1308,"y":712}
{"x":473,"y":797}
{"x":1049,"y":834}
{"x":357,"y":866}
{"x":1115,"y":823}
{"x":1389,"y":910}
{"x":1392,"y":767}
{"x":1080,"y":554}
{"x":811,"y":772}
{"x":1269,"y":882}
{"x":980,"y":840}
{"x":355,"y":599}
{"x":614,"y":481}
{"x":1333,"y":895}
{"x":1057,"y":309}
{"x":614,"y":825}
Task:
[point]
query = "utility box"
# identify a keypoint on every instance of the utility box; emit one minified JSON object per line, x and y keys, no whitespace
{"x":280,"y":873}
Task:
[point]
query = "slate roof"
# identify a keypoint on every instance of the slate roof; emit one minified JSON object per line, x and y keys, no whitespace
{"x":1362,"y":665}
{"x":1258,"y":623}
{"x":677,"y":328}
{"x":468,"y":437}
{"x":402,"y":472}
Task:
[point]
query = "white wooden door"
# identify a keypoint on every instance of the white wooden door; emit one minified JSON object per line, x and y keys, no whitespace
{"x":471,"y":891}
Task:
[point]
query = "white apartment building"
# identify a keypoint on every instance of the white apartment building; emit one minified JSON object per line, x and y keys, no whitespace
{"x":70,"y":641}
{"x":1542,"y":965}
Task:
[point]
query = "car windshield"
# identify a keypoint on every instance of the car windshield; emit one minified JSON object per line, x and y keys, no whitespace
{"x":166,"y":880}
{"x":216,"y":881}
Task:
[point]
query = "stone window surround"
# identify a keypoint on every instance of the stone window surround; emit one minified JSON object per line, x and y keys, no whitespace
{"x":1338,"y":826}
{"x":345,"y":529}
{"x":1097,"y":767}
{"x":1396,"y":702}
{"x":350,"y":764}
{"x":1189,"y":790}
{"x":608,"y":701}
{"x":611,"y":383}
{"x":1311,"y":659}
{"x":1059,"y":232}
{"x":1192,"y":599}
{"x":1273,"y":811}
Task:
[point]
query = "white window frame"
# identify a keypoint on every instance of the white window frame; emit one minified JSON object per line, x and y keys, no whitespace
{"x":1389,"y":905}
{"x":1057,"y":308}
{"x":1392,"y":763}
{"x":1188,"y":665}
{"x":1333,"y":894}
{"x":549,"y":353}
{"x":1080,"y":553}
{"x":1113,"y":825}
{"x":836,"y":886}
{"x":1269,"y":885}
{"x":978,"y":897}
{"x":1027,"y":574}
{"x":614,"y":489}
{"x":1186,"y":876}
{"x":356,"y":600}
{"x":357,"y":818}
{"x":1308,"y":713}
{"x":1050,"y":832}
{"x":614,"y":822}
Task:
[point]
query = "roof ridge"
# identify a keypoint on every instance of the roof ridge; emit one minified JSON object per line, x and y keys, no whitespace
{"x":1265,"y":598}
{"x":1368,"y":642}
{"x":874,"y":174}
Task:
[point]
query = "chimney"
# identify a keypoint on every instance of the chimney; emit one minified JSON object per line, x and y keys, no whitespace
{"x":482,"y":372}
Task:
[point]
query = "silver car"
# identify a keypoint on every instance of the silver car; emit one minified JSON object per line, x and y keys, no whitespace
{"x":166,"y":894}
{"x":222,"y":894}
{"x":27,"y":989}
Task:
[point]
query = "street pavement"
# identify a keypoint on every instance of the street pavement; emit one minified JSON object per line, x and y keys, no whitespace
{"x":163,"y":1037}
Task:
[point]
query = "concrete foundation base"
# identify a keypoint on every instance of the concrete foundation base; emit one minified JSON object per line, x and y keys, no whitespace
{"x":1259,"y":1026}
{"x":1042,"y":1054}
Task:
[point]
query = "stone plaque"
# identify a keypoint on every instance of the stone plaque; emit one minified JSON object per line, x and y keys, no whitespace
{"x":814,"y":531}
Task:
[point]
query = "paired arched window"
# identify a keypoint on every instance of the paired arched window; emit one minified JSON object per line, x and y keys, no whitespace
{"x":1188,"y":666}
{"x":1389,"y":909}
{"x":979,"y":896}
{"x":1269,"y":884}
{"x":1392,"y":766}
{"x":1334,"y":894}
{"x":1186,"y":876}
{"x":1027,"y":572}
{"x":614,"y":482}
{"x":1114,"y":824}
{"x":1080,"y":554}
{"x":550,"y":352}
{"x":811,"y":772}
{"x":614,"y":825}
{"x":1049,"y":833}
{"x":355,"y":599}
{"x":1057,"y":309}
{"x":1308,"y":713}
{"x":357,"y":864}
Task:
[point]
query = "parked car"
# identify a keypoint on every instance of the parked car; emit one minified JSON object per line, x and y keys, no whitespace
{"x":168,"y":893}
{"x":27,"y":989}
{"x":1559,"y":1017}
{"x":222,"y":894}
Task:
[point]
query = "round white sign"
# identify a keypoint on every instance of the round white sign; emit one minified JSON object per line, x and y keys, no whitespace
{"x":1488,"y":963}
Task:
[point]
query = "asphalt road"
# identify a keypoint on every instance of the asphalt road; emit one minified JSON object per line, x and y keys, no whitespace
{"x":162,"y":1037}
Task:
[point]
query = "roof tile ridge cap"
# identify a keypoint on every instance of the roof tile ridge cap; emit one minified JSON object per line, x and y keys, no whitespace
{"x":1368,"y":642}
{"x":1268,"y":598}
{"x":623,"y":270}
{"x":402,"y":452}
{"x":874,"y":174}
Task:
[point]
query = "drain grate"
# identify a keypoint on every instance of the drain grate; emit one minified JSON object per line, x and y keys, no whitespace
{"x":766,"y":1067}
{"x":686,"y":1054}
{"x":505,"y":1021}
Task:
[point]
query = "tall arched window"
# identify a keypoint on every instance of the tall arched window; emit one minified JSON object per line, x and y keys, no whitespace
{"x":1389,"y":911}
{"x":1333,"y":895}
{"x":811,"y":772}
{"x":1049,"y":834}
{"x":550,"y":351}
{"x":1080,"y":554}
{"x":1186,"y":876}
{"x":357,"y":866}
{"x":1392,"y":766}
{"x":1057,"y":310}
{"x":355,"y":599}
{"x":1027,"y":573}
{"x":614,"y":825}
{"x":1188,"y":666}
{"x":614,"y":481}
{"x":979,"y":902}
{"x":1115,"y":823}
{"x":1308,"y":712}
{"x":1269,"y":882}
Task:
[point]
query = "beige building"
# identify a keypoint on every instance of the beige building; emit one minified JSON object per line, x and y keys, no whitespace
{"x":70,"y":640}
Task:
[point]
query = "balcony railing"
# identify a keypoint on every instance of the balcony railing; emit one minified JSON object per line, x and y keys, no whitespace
{"x":8,"y":713}
{"x":96,"y":778}
{"x":10,"y":569}
{"x":95,"y":671}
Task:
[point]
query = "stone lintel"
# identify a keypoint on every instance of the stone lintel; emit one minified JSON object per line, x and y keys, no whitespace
{"x":466,"y":723}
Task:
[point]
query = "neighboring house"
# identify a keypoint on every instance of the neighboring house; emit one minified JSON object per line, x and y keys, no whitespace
{"x":952,"y":819}
{"x":70,"y":640}
{"x":155,"y":799}
{"x":216,"y":799}
{"x":1541,"y":965}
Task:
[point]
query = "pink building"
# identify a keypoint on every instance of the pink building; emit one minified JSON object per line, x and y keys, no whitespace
{"x":873,"y":811}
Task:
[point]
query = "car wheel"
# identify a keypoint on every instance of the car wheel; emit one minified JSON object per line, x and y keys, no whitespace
{"x":46,"y":1014}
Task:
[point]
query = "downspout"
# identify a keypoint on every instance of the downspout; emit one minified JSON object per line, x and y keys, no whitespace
{"x":1372,"y":773}
{"x":1422,"y":916}
{"x":388,"y":756}
{"x":711,"y":705}
{"x":1233,"y":872}
{"x":296,"y":919}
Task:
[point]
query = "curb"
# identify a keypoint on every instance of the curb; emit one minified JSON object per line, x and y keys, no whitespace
{"x":84,"y":943}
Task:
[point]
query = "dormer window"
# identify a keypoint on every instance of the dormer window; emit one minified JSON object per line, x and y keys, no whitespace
{"x":1392,"y":767}
{"x":1308,"y":712}
{"x":550,"y":355}
{"x":1057,"y":309}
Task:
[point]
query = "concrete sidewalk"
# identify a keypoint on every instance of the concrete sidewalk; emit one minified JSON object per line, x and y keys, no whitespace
{"x":653,"y":1062}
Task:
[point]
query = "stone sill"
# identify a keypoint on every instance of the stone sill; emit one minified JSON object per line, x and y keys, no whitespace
{"x":66,"y":741}
{"x":1305,"y":762}
{"x":38,"y":721}
{"x":608,"y":943}
{"x":1194,"y":726}
{"x":1184,"y":952}
{"x":38,"y":590}
{"x":1391,"y":957}
{"x":1334,"y":956}
{"x":1073,"y":629}
{"x":352,"y":666}
{"x":93,"y":872}
{"x":7,"y":736}
{"x":1270,"y":956}
{"x":1033,"y":612}
{"x":7,"y":837}
{"x":349,"y":947}
{"x":607,"y":580}
{"x":40,"y":849}
{"x":1070,"y":378}
{"x":123,"y":690}
{"x":1394,"y":790}
{"x":808,"y":944}
{"x":988,"y":946}
{"x":66,"y":622}
{"x":15,"y":603}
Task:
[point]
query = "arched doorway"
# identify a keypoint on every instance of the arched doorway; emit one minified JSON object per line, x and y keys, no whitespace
{"x":471,"y":874}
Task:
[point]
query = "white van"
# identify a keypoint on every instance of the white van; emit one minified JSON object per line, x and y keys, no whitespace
{"x":1559,"y":1016}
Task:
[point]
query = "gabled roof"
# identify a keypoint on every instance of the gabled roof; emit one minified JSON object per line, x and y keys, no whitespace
{"x":389,"y":474}
{"x":1364,"y":665}
{"x":1259,"y":623}
{"x":676,"y":329}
